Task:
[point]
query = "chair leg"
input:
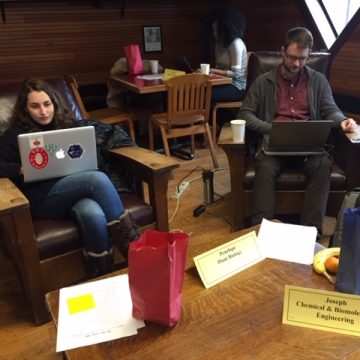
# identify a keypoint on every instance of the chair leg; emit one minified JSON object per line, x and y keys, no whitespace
{"x":214,"y":113}
{"x":131,"y":129}
{"x":151,"y":135}
{"x":211,"y":146}
{"x":192,"y":144}
{"x":165,"y":141}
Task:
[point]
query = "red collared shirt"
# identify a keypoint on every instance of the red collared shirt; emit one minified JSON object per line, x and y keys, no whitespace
{"x":292,"y":97}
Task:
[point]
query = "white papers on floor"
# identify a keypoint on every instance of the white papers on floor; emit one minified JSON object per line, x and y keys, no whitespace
{"x":287,"y":242}
{"x":95,"y":312}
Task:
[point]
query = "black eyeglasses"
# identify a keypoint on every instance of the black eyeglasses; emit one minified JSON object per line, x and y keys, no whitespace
{"x":294,"y":58}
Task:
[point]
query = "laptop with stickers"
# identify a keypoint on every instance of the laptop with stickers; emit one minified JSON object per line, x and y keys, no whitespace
{"x":56,"y":153}
{"x":289,"y":138}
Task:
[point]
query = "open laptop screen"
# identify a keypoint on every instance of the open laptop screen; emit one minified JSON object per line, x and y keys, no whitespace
{"x":298,"y":137}
{"x":181,"y":63}
{"x":56,"y":153}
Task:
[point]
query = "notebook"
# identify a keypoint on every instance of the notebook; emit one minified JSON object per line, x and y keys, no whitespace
{"x":56,"y":153}
{"x":181,"y":63}
{"x":298,"y":137}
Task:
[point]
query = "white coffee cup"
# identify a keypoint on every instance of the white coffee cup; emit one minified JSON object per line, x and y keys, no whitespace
{"x":154,"y":66}
{"x":205,"y":69}
{"x":238,"y":130}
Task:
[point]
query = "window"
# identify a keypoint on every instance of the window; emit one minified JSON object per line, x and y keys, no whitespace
{"x":332,"y":16}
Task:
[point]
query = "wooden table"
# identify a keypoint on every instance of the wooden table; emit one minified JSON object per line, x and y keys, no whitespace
{"x":141,"y":86}
{"x":239,"y":318}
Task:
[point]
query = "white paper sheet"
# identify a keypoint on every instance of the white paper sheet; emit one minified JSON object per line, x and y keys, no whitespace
{"x":355,"y":137}
{"x":95,"y":312}
{"x":151,"y":77}
{"x":287,"y":242}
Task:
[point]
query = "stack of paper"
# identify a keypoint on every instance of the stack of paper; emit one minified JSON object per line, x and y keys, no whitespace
{"x":95,"y":312}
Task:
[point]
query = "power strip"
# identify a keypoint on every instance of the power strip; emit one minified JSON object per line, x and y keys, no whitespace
{"x":180,"y":189}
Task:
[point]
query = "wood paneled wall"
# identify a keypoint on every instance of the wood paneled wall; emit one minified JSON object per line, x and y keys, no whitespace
{"x":345,"y":70}
{"x":47,"y":38}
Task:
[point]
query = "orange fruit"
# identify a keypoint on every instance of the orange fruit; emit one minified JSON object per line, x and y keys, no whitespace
{"x":332,"y":264}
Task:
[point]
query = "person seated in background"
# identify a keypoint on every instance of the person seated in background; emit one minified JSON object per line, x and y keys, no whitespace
{"x":228,"y":28}
{"x":88,"y":197}
{"x":292,"y":91}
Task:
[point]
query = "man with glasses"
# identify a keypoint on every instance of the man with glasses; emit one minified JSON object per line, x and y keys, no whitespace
{"x":292,"y":91}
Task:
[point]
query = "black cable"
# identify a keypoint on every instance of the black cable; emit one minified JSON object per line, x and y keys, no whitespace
{"x":184,"y":177}
{"x":220,"y":217}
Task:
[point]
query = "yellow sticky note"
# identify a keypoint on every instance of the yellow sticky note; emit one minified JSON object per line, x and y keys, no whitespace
{"x":169,"y":73}
{"x":81,"y":303}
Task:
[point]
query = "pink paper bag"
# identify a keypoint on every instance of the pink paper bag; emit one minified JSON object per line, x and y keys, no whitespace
{"x":133,"y":57}
{"x":156,"y":273}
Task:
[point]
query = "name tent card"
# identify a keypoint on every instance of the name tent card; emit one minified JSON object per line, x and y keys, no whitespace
{"x":228,"y":259}
{"x":322,"y":310}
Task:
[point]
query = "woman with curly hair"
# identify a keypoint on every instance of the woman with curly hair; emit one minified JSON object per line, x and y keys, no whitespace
{"x":89,"y":197}
{"x":228,"y":28}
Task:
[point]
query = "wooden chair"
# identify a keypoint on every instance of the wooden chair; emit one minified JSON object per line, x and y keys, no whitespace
{"x":290,"y":186}
{"x":188,"y":111}
{"x":109,"y":115}
{"x":48,"y":253}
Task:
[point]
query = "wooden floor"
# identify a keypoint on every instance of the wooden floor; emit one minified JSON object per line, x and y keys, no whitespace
{"x":21,"y":339}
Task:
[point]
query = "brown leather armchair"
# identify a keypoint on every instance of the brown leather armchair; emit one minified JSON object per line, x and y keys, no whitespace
{"x":48,"y":253}
{"x":291,"y":183}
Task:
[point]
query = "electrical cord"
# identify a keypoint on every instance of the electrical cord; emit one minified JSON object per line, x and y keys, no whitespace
{"x":189,"y":173}
{"x":175,"y":211}
{"x":203,"y":208}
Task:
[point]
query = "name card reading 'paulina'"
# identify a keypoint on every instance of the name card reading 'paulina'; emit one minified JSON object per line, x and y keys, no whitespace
{"x":322,"y":310}
{"x":228,"y":259}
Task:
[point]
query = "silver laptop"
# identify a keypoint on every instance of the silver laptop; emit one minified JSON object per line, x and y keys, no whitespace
{"x":56,"y":153}
{"x":298,"y":137}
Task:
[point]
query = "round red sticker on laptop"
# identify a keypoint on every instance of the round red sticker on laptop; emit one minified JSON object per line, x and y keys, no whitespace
{"x":38,"y":158}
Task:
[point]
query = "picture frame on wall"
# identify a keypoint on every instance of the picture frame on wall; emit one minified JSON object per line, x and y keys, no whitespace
{"x":152,"y":38}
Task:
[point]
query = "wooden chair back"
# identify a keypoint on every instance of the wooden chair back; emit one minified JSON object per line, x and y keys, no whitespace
{"x":189,"y":98}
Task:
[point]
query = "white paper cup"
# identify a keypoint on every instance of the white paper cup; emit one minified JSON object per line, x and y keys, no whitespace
{"x":205,"y":68}
{"x":154,"y":66}
{"x":238,"y":130}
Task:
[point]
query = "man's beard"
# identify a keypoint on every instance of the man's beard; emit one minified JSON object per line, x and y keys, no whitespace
{"x":289,"y":73}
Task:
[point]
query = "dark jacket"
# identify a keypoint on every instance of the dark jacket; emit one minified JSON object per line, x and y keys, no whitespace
{"x":258,"y":108}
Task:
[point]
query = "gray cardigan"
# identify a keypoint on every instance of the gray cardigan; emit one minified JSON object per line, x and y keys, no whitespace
{"x":258,"y":108}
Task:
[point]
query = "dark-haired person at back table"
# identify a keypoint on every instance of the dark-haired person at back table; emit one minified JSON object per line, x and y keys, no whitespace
{"x":89,"y":197}
{"x":300,"y":93}
{"x":228,"y":27}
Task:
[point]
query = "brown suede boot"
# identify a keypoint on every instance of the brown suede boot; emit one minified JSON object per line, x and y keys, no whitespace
{"x":99,"y":264}
{"x":123,"y":231}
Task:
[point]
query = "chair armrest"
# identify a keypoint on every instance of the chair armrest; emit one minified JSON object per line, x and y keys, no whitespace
{"x":17,"y":234}
{"x":347,"y":156}
{"x":152,"y":168}
{"x":235,"y":153}
{"x":11,"y":198}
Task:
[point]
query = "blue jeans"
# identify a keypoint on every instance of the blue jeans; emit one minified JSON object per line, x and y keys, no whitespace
{"x":89,"y":197}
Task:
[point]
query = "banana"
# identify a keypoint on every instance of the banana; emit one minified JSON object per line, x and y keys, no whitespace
{"x":320,"y":258}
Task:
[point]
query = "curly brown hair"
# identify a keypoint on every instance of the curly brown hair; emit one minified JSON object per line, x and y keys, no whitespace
{"x":62,"y":119}
{"x":231,"y":24}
